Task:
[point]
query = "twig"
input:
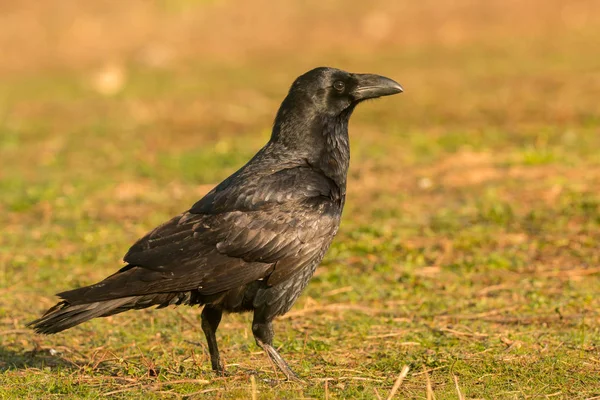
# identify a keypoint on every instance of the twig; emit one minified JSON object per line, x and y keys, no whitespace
{"x":398,"y":382}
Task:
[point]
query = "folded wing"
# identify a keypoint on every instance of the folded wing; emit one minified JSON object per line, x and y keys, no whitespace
{"x":267,"y":228}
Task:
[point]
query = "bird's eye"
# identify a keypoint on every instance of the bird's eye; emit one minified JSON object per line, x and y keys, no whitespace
{"x":339,"y":86}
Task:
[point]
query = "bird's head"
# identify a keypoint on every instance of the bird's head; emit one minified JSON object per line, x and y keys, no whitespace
{"x":319,"y":105}
{"x":332,"y":91}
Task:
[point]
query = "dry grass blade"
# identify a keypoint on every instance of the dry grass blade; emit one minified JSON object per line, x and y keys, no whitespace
{"x":377,"y":393}
{"x":427,"y":371}
{"x":158,"y":384}
{"x":182,"y":381}
{"x":253,"y":383}
{"x":430,"y":393}
{"x":14,"y":332}
{"x":477,"y":316}
{"x":571,"y":273}
{"x":341,"y":290}
{"x":398,"y":382}
{"x":475,"y":335}
{"x":199,"y":392}
{"x":358,"y":378}
{"x":458,"y":392}
{"x":333,"y":308}
{"x":125,"y":389}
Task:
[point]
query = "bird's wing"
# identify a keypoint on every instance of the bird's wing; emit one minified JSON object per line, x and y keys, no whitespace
{"x":268,"y":228}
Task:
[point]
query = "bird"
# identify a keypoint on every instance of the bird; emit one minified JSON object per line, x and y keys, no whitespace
{"x":254,"y":241}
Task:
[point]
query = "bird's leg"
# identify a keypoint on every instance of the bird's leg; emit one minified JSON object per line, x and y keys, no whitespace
{"x":210,"y":322}
{"x":263,"y":333}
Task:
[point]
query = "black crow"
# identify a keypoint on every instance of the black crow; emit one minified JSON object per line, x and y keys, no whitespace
{"x":254,"y":241}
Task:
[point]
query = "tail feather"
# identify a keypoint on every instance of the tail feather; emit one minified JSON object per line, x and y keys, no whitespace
{"x":65,"y":315}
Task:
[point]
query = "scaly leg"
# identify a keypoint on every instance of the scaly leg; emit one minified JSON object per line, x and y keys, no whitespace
{"x":263,"y":333}
{"x":211,"y":317}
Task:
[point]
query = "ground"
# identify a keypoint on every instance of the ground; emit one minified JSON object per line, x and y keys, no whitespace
{"x":469,"y":249}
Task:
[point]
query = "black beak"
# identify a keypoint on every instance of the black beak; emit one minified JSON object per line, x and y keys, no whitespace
{"x":371,"y":86}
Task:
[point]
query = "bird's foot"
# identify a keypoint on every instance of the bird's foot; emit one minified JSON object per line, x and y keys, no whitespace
{"x":219,"y":369}
{"x":280,"y":362}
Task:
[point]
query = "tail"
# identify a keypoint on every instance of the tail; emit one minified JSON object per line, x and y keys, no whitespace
{"x":127,"y":289}
{"x":65,"y":315}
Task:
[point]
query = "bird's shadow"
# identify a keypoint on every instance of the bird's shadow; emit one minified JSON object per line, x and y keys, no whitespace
{"x":44,"y":359}
{"x":11,"y":360}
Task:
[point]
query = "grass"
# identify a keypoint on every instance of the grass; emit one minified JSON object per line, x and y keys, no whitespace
{"x":469,"y":246}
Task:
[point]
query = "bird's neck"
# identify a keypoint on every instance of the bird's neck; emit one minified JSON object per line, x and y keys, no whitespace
{"x":319,"y":140}
{"x":334,"y":157}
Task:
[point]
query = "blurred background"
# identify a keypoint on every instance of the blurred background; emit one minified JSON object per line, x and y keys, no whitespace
{"x":483,"y":176}
{"x":462,"y":61}
{"x":140,"y":88}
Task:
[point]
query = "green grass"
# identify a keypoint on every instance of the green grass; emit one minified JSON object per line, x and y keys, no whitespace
{"x":468,"y":250}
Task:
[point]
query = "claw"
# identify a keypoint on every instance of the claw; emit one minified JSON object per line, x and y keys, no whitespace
{"x":280,"y":362}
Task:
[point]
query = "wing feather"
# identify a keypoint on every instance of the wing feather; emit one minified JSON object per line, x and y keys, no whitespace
{"x":266,"y":227}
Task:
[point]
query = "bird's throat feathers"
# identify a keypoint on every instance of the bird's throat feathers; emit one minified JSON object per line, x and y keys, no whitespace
{"x":317,"y":138}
